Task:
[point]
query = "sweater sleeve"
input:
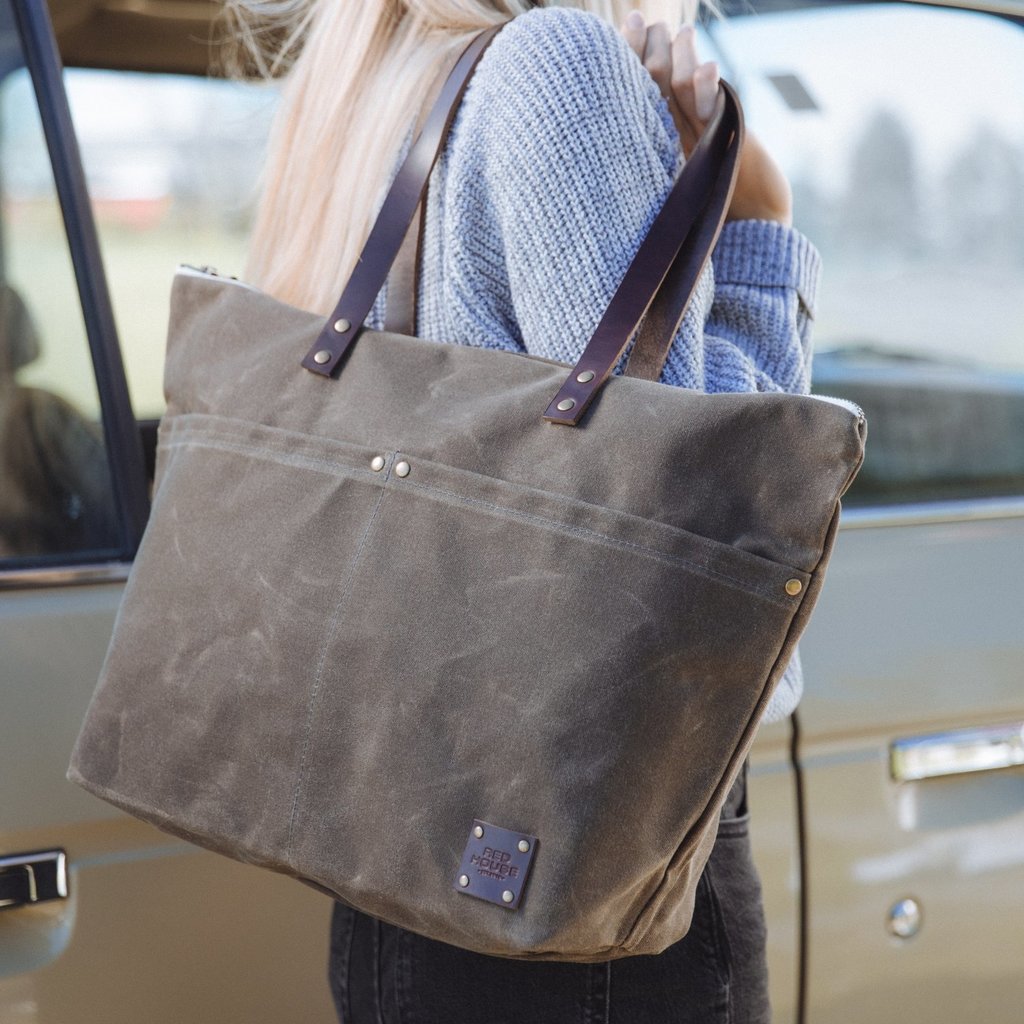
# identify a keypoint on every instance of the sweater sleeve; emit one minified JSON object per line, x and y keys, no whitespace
{"x":574,"y":152}
{"x":766,"y":281}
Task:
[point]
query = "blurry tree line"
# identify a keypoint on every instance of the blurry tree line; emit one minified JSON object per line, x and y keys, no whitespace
{"x":974,"y":213}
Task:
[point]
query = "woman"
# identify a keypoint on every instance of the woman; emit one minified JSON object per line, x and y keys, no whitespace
{"x":563,"y":150}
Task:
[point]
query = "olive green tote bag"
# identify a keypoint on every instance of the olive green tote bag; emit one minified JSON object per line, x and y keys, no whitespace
{"x":472,"y":641}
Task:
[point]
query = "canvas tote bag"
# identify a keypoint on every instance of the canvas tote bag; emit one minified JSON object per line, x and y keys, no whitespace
{"x":470,"y":640}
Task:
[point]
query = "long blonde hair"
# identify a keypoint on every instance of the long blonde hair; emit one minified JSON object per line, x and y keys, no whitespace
{"x":348,"y":101}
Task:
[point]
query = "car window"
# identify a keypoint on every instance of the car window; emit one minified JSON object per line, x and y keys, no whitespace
{"x":56,"y":497}
{"x":901,"y":128}
{"x":172,"y":165}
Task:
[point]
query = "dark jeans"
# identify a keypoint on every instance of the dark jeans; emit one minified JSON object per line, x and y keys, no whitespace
{"x":380,"y":974}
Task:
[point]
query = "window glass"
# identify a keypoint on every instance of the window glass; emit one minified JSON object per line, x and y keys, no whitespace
{"x":901,"y":128}
{"x":172,"y":165}
{"x":55,"y":492}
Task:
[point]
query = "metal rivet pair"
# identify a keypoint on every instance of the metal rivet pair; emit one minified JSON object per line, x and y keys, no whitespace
{"x":584,"y":377}
{"x":325,"y":355}
{"x":378,"y":462}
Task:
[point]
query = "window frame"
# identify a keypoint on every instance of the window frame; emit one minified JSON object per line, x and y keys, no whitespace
{"x":120,"y":430}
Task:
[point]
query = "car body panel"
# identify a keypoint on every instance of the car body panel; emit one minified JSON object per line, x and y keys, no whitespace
{"x":915,"y":634}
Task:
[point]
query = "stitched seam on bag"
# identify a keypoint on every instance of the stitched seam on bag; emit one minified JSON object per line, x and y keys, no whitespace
{"x":286,"y":458}
{"x":572,"y":501}
{"x":177,"y":425}
{"x":235,"y":444}
{"x":197,"y":423}
{"x":325,"y":465}
{"x":586,"y":532}
{"x":321,"y":663}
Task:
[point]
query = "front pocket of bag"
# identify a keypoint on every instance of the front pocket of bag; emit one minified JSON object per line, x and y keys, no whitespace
{"x":566,"y":671}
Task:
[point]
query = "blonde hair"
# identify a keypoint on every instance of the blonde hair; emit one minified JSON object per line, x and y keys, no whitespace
{"x":349,"y":98}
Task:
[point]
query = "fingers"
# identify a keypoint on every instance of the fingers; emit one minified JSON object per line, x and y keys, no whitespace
{"x":653,"y":46}
{"x":694,"y":85}
{"x":705,"y":81}
{"x":634,"y":29}
{"x":658,"y":57}
{"x":684,"y":54}
{"x":689,"y":86}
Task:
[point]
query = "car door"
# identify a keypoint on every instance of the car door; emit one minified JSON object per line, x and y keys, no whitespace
{"x":901,"y":128}
{"x":102,"y":918}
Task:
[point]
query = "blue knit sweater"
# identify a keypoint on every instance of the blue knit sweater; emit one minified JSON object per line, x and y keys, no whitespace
{"x":560,"y":156}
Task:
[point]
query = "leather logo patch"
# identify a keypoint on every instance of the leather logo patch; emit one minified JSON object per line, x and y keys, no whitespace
{"x":495,"y":864}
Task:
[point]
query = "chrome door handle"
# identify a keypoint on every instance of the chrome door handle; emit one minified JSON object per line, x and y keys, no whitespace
{"x":987,"y":748}
{"x":27,"y":878}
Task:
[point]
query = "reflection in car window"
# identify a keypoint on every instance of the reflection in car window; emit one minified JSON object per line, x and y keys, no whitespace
{"x":172,"y":165}
{"x":909,"y":178}
{"x":55,"y":491}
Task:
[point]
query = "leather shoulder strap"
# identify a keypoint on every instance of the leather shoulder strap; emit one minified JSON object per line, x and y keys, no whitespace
{"x":345,"y":324}
{"x":659,"y":326}
{"x":400,"y":313}
{"x":686,"y":229}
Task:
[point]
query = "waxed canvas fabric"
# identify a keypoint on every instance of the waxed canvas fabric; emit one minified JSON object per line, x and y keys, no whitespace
{"x":331,"y":671}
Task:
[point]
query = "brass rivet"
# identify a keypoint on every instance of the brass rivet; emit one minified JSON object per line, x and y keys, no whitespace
{"x":793,"y":587}
{"x":586,"y":376}
{"x":341,"y":326}
{"x":403,"y":468}
{"x":478,"y":831}
{"x":524,"y":846}
{"x":323,"y":356}
{"x":377,"y":464}
{"x":566,"y":404}
{"x":508,"y":895}
{"x":463,"y":880}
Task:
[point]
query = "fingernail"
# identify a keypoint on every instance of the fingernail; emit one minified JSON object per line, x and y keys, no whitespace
{"x":634,"y":20}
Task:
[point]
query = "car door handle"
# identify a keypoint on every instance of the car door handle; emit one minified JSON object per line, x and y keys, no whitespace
{"x":988,"y":748}
{"x":27,"y":878}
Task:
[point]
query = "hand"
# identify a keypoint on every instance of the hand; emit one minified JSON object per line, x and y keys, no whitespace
{"x":762,"y":191}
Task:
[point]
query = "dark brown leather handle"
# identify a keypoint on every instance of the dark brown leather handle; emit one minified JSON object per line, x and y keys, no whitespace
{"x":660,"y":324}
{"x":400,"y":309}
{"x":345,"y":324}
{"x":687,"y":226}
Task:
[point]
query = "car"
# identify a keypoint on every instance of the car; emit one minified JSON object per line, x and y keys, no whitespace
{"x":888,"y":814}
